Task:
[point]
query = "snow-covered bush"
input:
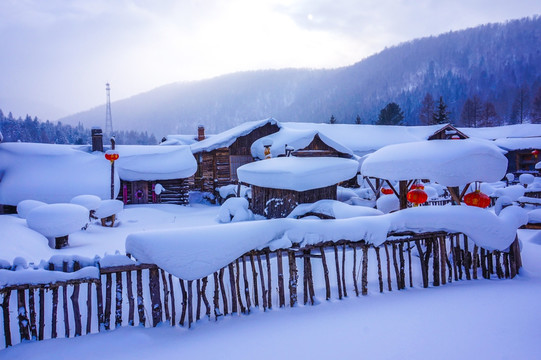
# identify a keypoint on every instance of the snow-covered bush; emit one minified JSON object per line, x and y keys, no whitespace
{"x":235,"y":209}
{"x":228,"y":191}
{"x":388,"y":203}
{"x":513,"y":192}
{"x":91,"y":202}
{"x":57,"y":221}
{"x":107,"y":211}
{"x":25,"y":206}
{"x":526,"y":179}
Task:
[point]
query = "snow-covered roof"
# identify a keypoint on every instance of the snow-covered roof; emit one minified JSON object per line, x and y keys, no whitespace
{"x":511,"y":144}
{"x":228,"y":137}
{"x":298,"y":173}
{"x":180,"y":140}
{"x":448,"y":162}
{"x":501,"y":132}
{"x":294,"y":138}
{"x":144,"y":162}
{"x":52,"y":173}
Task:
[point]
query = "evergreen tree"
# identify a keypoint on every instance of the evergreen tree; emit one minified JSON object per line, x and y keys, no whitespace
{"x":358,"y":120}
{"x":427,"y":110}
{"x":332,"y":120}
{"x":391,"y":114}
{"x":441,"y":116}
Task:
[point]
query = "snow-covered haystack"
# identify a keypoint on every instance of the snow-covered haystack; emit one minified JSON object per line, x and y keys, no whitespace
{"x":108,"y":210}
{"x":25,"y":206}
{"x":235,"y":209}
{"x":57,"y":221}
{"x":334,"y":209}
{"x":91,"y":202}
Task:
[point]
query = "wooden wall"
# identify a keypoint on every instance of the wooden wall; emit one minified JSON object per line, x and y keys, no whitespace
{"x":278,"y":203}
{"x":318,"y":148}
{"x":176,"y":191}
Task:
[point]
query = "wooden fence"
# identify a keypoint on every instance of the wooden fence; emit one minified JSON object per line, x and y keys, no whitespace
{"x":145,"y":295}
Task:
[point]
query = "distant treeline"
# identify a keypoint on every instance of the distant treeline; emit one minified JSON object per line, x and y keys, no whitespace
{"x":33,"y":130}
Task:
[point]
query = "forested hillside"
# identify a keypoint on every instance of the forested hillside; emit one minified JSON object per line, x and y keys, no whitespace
{"x":495,"y":69}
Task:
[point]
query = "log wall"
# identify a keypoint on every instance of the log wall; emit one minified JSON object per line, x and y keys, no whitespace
{"x":145,"y":295}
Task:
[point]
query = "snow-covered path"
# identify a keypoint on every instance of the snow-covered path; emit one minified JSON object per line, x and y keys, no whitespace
{"x":496,"y":319}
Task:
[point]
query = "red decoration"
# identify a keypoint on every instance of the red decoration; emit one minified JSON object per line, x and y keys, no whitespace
{"x":417,"y":186}
{"x":535,"y":153}
{"x":111,"y":155}
{"x":477,"y":198}
{"x":386,"y":191}
{"x":417,"y":196}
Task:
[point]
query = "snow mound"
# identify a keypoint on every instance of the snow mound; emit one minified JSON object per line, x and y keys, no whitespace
{"x":235,"y":209}
{"x":333,"y":208}
{"x":108,"y":208}
{"x":91,"y":202}
{"x":526,"y":179}
{"x":57,"y":219}
{"x":25,"y":206}
{"x":388,"y":203}
{"x":513,"y":192}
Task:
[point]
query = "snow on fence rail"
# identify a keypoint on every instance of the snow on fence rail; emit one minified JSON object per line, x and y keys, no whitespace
{"x":145,"y":295}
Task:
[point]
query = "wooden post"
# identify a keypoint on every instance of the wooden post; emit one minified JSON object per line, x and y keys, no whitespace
{"x":184,"y":302}
{"x":204,"y":296}
{"x":293,"y":277}
{"x":262,"y":279}
{"x":389,"y":287}
{"x":165,"y":296}
{"x":41,"y":327}
{"x":344,"y":289}
{"x":364,"y":281}
{"x":281,"y":290}
{"x":172,"y":292}
{"x":216,"y":297}
{"x":246,"y":284}
{"x":380,"y":275}
{"x":436,"y":261}
{"x":118,"y":299}
{"x":54,"y":312}
{"x":410,"y":271}
{"x":355,"y":286}
{"x":403,"y":190}
{"x":32,"y":310}
{"x":254,"y":279}
{"x":269,"y":280}
{"x":233,"y":288}
{"x":237,"y":284}
{"x":484,"y":264}
{"x":65,"y":308}
{"x":154,"y":287}
{"x":475,"y":261}
{"x":325,"y":273}
{"x":395,"y":265}
{"x":5,"y":313}
{"x":88,"y":308}
{"x":499,"y":270}
{"x":402,"y":265}
{"x":443,"y":257}
{"x":190,"y":306}
{"x":76,"y":310}
{"x":223,"y":292}
{"x":198,"y":307}
{"x":140,"y":300}
{"x":22,"y":315}
{"x":131,"y":300}
{"x":424,"y":270}
{"x":337,"y":265}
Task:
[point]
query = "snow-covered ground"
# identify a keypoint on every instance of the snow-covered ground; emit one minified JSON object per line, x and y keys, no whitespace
{"x":481,"y":319}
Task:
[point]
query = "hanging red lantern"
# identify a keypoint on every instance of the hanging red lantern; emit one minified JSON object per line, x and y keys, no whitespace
{"x":111,"y":155}
{"x":417,"y":186}
{"x":477,"y":198}
{"x":386,"y":191}
{"x":535,"y":153}
{"x":417,"y":196}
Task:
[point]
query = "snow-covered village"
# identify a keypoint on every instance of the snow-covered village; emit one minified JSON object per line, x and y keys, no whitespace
{"x":377,"y":229}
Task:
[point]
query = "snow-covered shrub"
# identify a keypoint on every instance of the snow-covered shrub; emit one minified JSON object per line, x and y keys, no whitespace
{"x":57,"y":221}
{"x":91,"y":202}
{"x":513,"y":192}
{"x":388,"y":203}
{"x":25,"y":206}
{"x":526,"y":179}
{"x":235,"y":209}
{"x":228,"y":191}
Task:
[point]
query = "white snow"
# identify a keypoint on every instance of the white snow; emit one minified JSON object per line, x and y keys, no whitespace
{"x":57,"y":219}
{"x":108,"y":208}
{"x":91,"y":202}
{"x":447,"y":162}
{"x":526,"y":179}
{"x":299,"y":174}
{"x":235,"y":209}
{"x":25,"y":206}
{"x":41,"y":276}
{"x":336,"y":209}
{"x":388,"y":203}
{"x":155,"y":162}
{"x":513,"y":192}
{"x":52,"y":173}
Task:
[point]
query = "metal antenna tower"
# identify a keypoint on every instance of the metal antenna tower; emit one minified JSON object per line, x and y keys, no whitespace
{"x":108,"y":117}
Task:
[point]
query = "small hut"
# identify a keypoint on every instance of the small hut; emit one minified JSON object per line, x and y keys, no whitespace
{"x":448,"y":132}
{"x":522,"y":154}
{"x":280,"y":184}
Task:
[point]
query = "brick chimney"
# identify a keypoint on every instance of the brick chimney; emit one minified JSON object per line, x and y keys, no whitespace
{"x":97,"y":139}
{"x":200,"y":133}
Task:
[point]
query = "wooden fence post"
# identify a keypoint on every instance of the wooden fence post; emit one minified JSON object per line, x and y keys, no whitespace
{"x":154,"y":285}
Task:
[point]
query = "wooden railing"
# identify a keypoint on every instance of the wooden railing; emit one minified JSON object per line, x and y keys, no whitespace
{"x":145,"y":295}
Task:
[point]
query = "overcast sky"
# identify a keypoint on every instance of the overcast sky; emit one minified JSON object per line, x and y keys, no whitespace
{"x":57,"y":55}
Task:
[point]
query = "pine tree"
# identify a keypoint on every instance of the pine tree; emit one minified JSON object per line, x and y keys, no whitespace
{"x":427,"y":110}
{"x":332,"y":120}
{"x":358,"y":120}
{"x":441,"y":116}
{"x":391,"y":114}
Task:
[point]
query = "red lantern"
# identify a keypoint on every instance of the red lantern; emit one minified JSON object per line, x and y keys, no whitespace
{"x":477,"y":198}
{"x":386,"y":191}
{"x":417,"y":186}
{"x":417,"y":196}
{"x":535,"y":153}
{"x":111,"y":155}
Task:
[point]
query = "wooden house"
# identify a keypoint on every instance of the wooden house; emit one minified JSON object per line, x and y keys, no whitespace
{"x":522,"y":153}
{"x":448,"y":132}
{"x":218,"y":157}
{"x":280,"y":184}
